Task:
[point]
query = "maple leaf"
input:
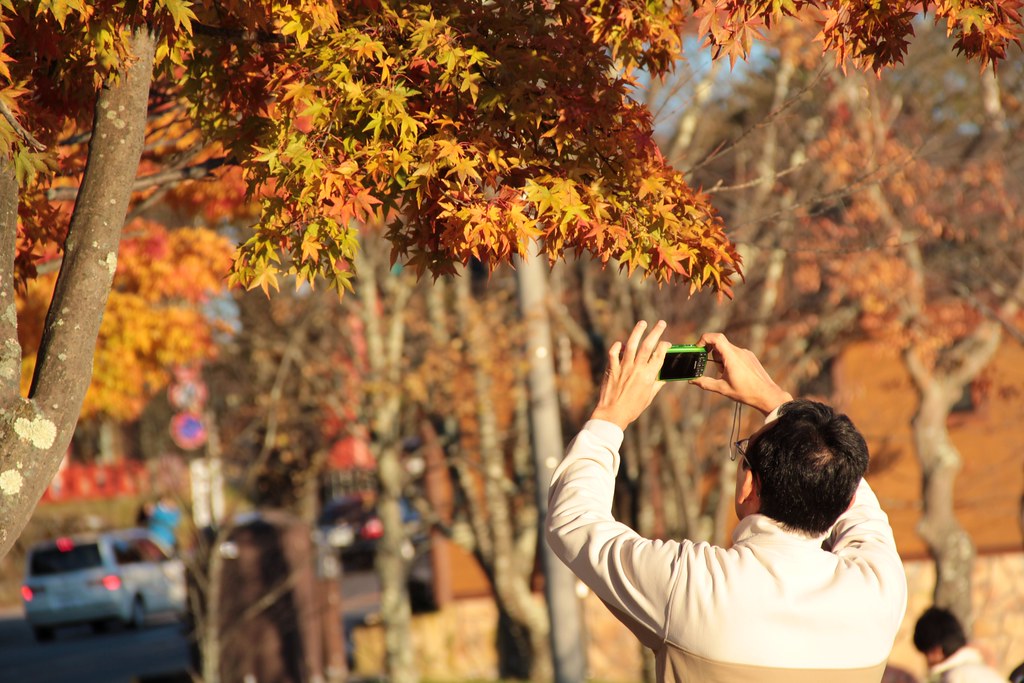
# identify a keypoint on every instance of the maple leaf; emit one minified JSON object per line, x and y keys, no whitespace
{"x":311,"y":246}
{"x":362,"y":204}
{"x":266,"y":279}
{"x":181,"y":12}
{"x":427,"y":109}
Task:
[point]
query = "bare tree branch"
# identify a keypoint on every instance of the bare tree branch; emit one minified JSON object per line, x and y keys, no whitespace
{"x":1004,"y":315}
{"x":167,"y":177}
{"x":19,"y":129}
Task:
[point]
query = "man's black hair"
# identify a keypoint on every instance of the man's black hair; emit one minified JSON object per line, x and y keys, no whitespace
{"x":939,"y":627}
{"x":808,"y":464}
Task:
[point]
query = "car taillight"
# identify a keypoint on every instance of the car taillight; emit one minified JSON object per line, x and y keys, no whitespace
{"x":111,"y":582}
{"x":373,"y":528}
{"x":27,"y":593}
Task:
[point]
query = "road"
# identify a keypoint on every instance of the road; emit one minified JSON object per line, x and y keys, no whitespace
{"x":77,"y":655}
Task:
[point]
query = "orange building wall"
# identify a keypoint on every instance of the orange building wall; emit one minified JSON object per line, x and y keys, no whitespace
{"x":875,"y":390}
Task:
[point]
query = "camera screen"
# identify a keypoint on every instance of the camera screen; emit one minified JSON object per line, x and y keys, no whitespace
{"x":683,"y":366}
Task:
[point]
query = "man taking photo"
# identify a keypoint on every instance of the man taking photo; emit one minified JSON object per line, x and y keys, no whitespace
{"x":811,"y":589}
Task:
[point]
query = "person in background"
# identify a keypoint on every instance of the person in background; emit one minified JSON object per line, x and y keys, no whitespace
{"x":895,"y":674}
{"x":163,"y":522}
{"x":939,"y":636}
{"x":144,"y":513}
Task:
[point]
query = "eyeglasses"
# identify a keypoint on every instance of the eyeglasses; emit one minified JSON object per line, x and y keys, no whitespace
{"x":739,"y":448}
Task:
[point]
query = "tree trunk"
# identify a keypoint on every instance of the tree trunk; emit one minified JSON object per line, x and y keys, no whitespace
{"x":36,"y":432}
{"x":384,"y":352}
{"x":939,"y":386}
{"x":679,"y":149}
{"x":568,"y":652}
{"x":329,"y":590}
{"x":393,"y":570}
{"x":208,"y":609}
{"x":948,"y":542}
{"x":506,"y":536}
{"x":938,"y":390}
{"x":766,"y":165}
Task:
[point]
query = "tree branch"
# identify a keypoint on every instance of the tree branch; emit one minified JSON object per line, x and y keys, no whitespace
{"x":36,"y":432}
{"x":266,"y":601}
{"x":167,"y":177}
{"x":1006,"y":311}
{"x":728,"y":145}
{"x":10,"y":348}
{"x":238,"y":34}
{"x":19,"y":129}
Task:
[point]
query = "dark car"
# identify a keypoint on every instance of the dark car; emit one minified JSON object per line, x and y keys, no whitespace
{"x":351,"y":524}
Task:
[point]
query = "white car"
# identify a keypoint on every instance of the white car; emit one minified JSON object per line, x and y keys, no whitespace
{"x":121,"y":576}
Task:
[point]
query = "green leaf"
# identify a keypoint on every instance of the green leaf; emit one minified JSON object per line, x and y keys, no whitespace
{"x":973,"y":19}
{"x":181,"y":12}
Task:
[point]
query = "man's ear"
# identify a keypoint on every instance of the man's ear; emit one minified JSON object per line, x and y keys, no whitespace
{"x":750,"y":492}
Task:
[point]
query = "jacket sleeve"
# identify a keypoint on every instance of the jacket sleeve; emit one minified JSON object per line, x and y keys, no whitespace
{"x":863,"y":537}
{"x":631,"y":574}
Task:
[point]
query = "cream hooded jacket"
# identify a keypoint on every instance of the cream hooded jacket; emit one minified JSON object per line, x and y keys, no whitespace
{"x":966,"y":665}
{"x":776,"y":606}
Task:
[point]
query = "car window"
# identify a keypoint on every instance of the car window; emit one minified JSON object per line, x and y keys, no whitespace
{"x":150,"y":551}
{"x":126,"y":552}
{"x":65,"y":558}
{"x":344,"y":509}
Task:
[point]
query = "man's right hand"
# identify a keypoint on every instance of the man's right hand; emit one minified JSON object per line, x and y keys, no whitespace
{"x":743,"y":379}
{"x":631,"y":381}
